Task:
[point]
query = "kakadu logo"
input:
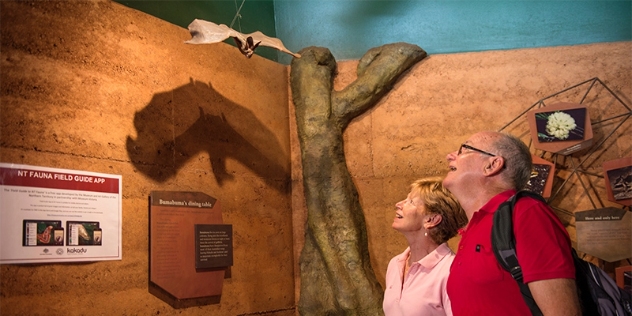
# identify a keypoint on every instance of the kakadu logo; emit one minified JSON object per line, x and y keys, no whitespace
{"x":76,"y":251}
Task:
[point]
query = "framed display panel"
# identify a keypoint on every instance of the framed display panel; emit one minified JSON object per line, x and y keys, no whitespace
{"x":542,"y":173}
{"x":190,"y":249}
{"x":561,"y":128}
{"x":618,"y":177}
{"x":605,"y":233}
{"x":59,"y":215}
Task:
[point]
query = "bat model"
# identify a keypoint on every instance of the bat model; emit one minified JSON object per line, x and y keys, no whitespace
{"x":204,"y":32}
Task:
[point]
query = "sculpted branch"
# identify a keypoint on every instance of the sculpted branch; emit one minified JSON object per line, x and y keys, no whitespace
{"x":335,"y":269}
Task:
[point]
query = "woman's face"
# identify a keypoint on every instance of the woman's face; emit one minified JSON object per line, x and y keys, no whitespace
{"x":409,"y":213}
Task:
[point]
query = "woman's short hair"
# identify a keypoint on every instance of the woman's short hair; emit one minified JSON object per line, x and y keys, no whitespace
{"x":438,"y":200}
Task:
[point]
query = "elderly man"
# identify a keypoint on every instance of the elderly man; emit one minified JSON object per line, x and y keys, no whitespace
{"x":485,"y":171}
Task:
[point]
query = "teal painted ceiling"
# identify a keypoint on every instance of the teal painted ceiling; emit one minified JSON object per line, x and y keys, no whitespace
{"x":350,"y":27}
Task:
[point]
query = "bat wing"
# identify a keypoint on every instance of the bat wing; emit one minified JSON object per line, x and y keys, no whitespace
{"x":273,"y":42}
{"x":205,"y":32}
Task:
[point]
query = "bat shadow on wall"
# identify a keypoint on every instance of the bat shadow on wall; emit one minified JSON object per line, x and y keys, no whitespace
{"x":179,"y":124}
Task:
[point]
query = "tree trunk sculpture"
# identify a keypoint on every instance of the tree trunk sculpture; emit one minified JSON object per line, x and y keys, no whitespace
{"x":335,"y":269}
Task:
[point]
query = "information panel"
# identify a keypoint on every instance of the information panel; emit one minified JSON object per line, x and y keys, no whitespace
{"x":58,"y":215}
{"x":213,"y":246}
{"x":605,"y":233}
{"x":190,"y":249}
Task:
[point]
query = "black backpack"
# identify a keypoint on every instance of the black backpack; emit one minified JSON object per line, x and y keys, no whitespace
{"x":598,"y":293}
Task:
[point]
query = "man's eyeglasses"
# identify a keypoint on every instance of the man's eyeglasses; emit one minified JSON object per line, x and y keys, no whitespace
{"x":474,"y":149}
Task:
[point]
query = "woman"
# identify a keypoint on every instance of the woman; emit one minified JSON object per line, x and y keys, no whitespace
{"x":416,"y":278}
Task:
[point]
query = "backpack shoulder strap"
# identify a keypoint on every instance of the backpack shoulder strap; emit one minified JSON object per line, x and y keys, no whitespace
{"x":503,"y":242}
{"x":504,"y":245}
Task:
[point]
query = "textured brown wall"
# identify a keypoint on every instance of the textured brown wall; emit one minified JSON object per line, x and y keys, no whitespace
{"x":446,"y":98}
{"x":96,"y":86}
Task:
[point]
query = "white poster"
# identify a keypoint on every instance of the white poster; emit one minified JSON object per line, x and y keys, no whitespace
{"x":59,"y":215}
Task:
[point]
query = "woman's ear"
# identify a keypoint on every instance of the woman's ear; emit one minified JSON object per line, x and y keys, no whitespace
{"x":432,"y":220}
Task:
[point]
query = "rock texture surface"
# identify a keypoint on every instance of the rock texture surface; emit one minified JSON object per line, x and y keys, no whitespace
{"x":96,"y":86}
{"x":336,"y":274}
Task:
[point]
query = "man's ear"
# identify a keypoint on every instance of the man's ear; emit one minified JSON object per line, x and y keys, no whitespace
{"x":494,"y":165}
{"x":432,"y":220}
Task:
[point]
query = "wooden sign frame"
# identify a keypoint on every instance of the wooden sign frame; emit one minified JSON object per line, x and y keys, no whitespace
{"x":617,"y":175}
{"x":563,"y":147}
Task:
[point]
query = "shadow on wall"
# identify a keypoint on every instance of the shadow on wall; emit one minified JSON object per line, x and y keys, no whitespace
{"x":178,"y":124}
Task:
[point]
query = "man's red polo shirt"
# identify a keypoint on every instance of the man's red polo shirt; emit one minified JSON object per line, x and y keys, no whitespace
{"x":478,"y":285}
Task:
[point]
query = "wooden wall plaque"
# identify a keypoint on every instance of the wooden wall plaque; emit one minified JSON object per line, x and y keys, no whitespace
{"x":542,"y":174}
{"x":605,"y":233}
{"x":173,"y":276}
{"x":618,"y":177}
{"x":574,"y":140}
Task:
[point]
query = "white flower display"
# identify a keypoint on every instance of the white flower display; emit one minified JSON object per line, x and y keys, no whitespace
{"x":560,"y":124}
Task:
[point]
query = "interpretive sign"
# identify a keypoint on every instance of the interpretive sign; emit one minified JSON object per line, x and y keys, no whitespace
{"x":561,"y":128}
{"x":190,"y":249}
{"x":618,"y":176}
{"x":541,"y":180}
{"x":59,"y":215}
{"x":213,"y":246}
{"x":605,"y":233}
